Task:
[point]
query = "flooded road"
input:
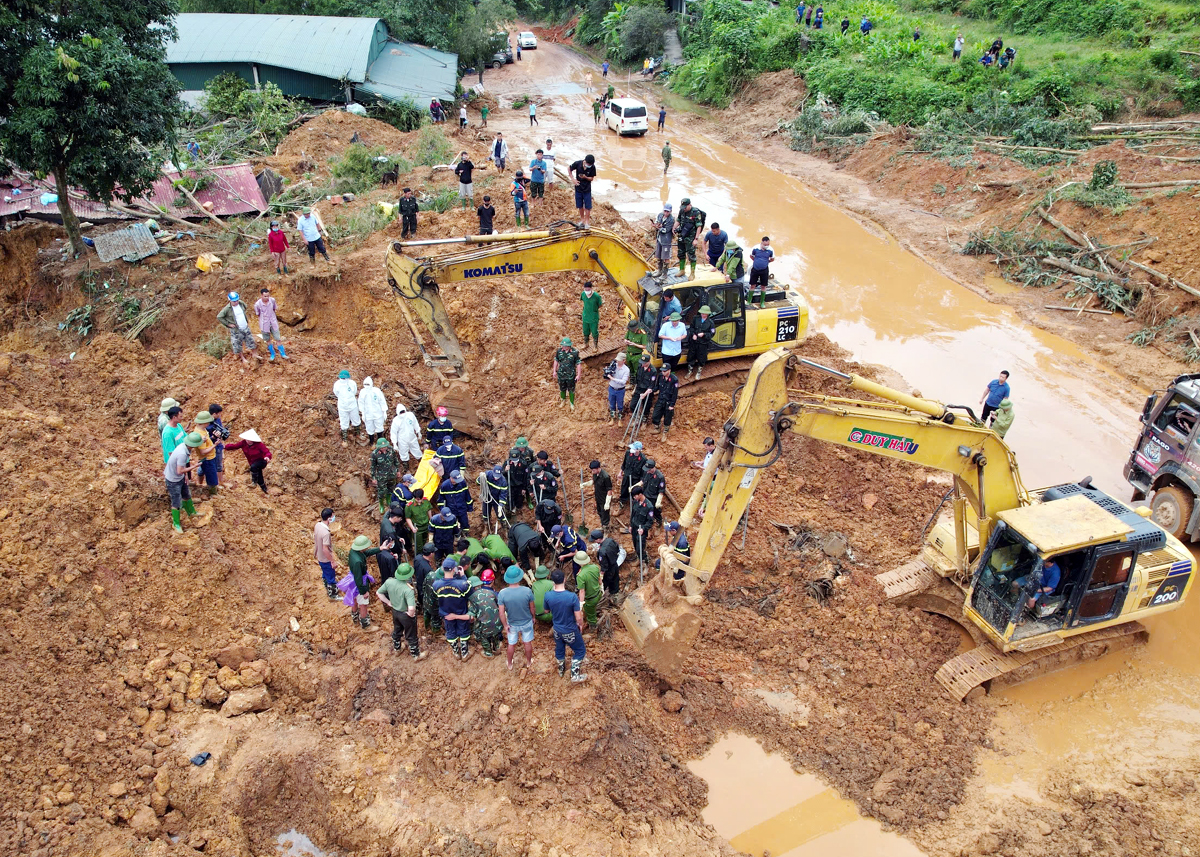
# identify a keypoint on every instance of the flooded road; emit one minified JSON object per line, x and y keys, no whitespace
{"x":865,"y":292}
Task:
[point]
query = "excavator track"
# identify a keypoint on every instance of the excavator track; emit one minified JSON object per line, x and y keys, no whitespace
{"x":985,"y":667}
{"x":912,"y":577}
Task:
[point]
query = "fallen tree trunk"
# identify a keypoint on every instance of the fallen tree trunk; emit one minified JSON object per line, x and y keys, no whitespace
{"x":1064,"y":265}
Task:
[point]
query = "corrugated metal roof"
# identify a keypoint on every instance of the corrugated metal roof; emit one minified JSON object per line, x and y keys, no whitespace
{"x":131,"y":243}
{"x":330,"y":47}
{"x":231,"y":189}
{"x":420,"y":73}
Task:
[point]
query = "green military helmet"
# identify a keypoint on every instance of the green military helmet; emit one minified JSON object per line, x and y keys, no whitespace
{"x":675,"y":316}
{"x":194,"y":439}
{"x":706,"y":310}
{"x":542,"y":573}
{"x":404,"y":571}
{"x":360,"y":543}
{"x":473,"y":582}
{"x":381,"y":443}
{"x":566,"y":341}
{"x":513,"y":574}
{"x":581,"y":558}
{"x":522,"y":443}
{"x":204,"y":418}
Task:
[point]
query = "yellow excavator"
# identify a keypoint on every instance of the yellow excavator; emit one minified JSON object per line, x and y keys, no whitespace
{"x":1039,"y":579}
{"x":742,"y":330}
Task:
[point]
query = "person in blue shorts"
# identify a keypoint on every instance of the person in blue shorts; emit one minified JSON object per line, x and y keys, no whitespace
{"x":584,"y":173}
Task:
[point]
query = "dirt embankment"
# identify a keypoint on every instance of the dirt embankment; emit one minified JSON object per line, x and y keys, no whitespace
{"x":932,"y":206}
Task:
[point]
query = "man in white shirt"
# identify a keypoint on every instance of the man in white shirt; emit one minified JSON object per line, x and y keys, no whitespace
{"x":347,"y":401}
{"x":312,"y":230}
{"x":548,"y":157}
{"x":235,"y":319}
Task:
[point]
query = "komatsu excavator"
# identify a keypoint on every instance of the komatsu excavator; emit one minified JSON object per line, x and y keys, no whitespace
{"x":742,"y":330}
{"x":988,"y":565}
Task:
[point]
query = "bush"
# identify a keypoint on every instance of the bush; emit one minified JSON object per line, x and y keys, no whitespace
{"x":361,"y":168}
{"x":403,"y":114}
{"x":359,"y":224}
{"x":442,"y":201}
{"x":215,"y":345}
{"x":641,"y":32}
{"x":221,"y":95}
{"x":433,"y":148}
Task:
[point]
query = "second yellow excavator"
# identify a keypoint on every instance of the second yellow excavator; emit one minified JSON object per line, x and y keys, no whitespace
{"x":1038,"y":578}
{"x":742,"y":329}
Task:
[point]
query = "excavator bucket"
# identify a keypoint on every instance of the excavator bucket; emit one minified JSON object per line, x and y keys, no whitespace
{"x":661,"y":615}
{"x":456,"y":398}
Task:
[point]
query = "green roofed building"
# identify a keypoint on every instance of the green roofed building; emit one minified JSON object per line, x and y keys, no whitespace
{"x":319,"y":58}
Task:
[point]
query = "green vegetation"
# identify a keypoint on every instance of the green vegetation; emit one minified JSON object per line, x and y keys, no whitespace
{"x":433,"y":147}
{"x":361,"y":168}
{"x":215,"y":344}
{"x":442,"y":201}
{"x":85,"y":96}
{"x":1076,"y":61}
{"x":628,"y":32}
{"x":234,"y":123}
{"x":403,"y":115}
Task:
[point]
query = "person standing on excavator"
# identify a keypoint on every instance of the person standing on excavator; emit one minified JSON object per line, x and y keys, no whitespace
{"x":665,"y":226}
{"x":688,"y":227}
{"x":699,"y":339}
{"x":592,"y":301}
{"x":567,"y":369}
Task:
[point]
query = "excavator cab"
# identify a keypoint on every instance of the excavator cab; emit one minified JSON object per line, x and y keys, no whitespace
{"x":726,"y":300}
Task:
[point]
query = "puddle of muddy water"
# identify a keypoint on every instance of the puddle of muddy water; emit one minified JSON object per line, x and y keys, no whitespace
{"x":758,"y":803}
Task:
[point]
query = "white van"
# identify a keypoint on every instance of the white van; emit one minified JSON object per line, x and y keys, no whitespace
{"x":627,"y":116}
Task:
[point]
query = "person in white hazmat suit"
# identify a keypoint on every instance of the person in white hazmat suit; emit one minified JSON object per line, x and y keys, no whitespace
{"x":373,"y":405}
{"x":406,"y":434}
{"x":347,"y":401}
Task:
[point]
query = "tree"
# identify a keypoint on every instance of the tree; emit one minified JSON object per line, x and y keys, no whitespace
{"x":476,"y":40}
{"x":85,"y":95}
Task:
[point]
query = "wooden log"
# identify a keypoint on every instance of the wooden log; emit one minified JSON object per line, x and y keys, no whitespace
{"x":1078,"y":309}
{"x":1145,"y":185}
{"x":1064,"y":265}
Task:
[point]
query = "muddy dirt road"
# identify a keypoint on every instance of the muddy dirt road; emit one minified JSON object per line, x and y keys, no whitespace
{"x":868,"y":294}
{"x":888,"y":307}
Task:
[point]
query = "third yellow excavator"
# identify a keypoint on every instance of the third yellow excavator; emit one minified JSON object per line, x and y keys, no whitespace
{"x":1039,"y":578}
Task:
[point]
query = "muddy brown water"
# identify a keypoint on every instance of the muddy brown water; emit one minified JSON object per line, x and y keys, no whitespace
{"x":1075,"y":417}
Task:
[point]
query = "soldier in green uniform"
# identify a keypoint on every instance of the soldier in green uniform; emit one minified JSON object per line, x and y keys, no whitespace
{"x":397,"y":593}
{"x":497,"y":549}
{"x":587,"y":581}
{"x":688,"y":227}
{"x":635,"y":340}
{"x":541,"y":585}
{"x":385,"y":464}
{"x":429,"y":603}
{"x":483,"y":609}
{"x":592,"y":301}
{"x":416,"y":514}
{"x":567,"y":369}
{"x":666,"y":156}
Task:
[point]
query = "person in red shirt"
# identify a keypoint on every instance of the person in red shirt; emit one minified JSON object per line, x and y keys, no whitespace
{"x":277,"y":243}
{"x":256,"y":453}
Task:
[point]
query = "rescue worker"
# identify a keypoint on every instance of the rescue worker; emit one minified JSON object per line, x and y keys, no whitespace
{"x":608,"y":555}
{"x":1003,"y":419}
{"x":385,"y":464}
{"x":405,"y":435}
{"x":407,"y":207}
{"x":641,"y":521}
{"x":654,"y":487}
{"x":543,"y":458}
{"x":416,"y":514}
{"x":176,"y":473}
{"x":360,"y":551}
{"x":496,"y":548}
{"x":666,"y":156}
{"x":439,"y":428}
{"x":731,"y":264}
{"x":635,"y":342}
{"x":587,"y":581}
{"x":632,"y":469}
{"x":444,"y":529}
{"x":644,"y":383}
{"x":373,"y":408}
{"x":666,"y":394}
{"x":664,"y":225}
{"x":453,"y":607}
{"x":548,"y":513}
{"x":398,"y":595}
{"x":545,"y":486}
{"x":485,"y":616}
{"x":601,"y":491}
{"x":592,"y":301}
{"x":567,"y":369}
{"x":401,"y":497}
{"x":457,"y":495}
{"x":346,"y":392}
{"x":678,"y":540}
{"x":494,"y":490}
{"x":517,"y":473}
{"x":424,"y":576}
{"x":451,"y":455}
{"x":541,"y":585}
{"x":391,"y":528}
{"x":688,"y":227}
{"x":699,"y":340}
{"x":524,"y":543}
{"x":565,"y":542}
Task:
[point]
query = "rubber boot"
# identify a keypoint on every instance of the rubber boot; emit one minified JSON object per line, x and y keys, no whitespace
{"x":364,"y":622}
{"x":576,"y":674}
{"x":189,"y":507}
{"x":562,"y":668}
{"x":175,"y":525}
{"x":699,"y":369}
{"x":344,"y":439}
{"x":681,"y":264}
{"x":397,"y":645}
{"x":693,"y":267}
{"x":271,"y":351}
{"x":285,"y":269}
{"x":331,"y":591}
{"x":282,"y":353}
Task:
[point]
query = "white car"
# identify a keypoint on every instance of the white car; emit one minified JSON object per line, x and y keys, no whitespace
{"x":527,"y":40}
{"x":627,"y":116}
